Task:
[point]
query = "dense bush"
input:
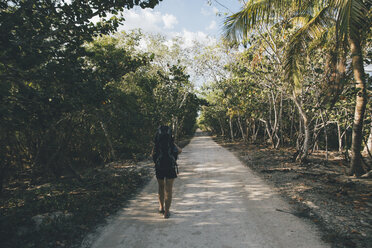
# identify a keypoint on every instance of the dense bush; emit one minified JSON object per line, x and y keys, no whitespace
{"x":71,"y":100}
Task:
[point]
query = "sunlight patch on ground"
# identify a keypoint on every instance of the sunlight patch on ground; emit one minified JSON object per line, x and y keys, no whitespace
{"x":258,"y":192}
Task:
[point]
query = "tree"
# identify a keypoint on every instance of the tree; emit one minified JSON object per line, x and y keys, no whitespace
{"x":47,"y":89}
{"x":352,"y":22}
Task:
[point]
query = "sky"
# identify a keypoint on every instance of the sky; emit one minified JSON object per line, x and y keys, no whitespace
{"x":189,"y":19}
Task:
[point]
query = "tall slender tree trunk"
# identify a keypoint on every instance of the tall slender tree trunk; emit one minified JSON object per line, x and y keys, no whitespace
{"x":241,"y":127}
{"x":360,"y":106}
{"x":271,"y":138}
{"x":292,"y":122}
{"x":221,"y":126}
{"x":254,"y":131}
{"x":275,"y":127}
{"x":300,"y":135}
{"x":231,"y":128}
{"x":247,"y":128}
{"x":280,"y":123}
{"x":306,"y":140}
{"x":368,"y":146}
{"x":306,"y":144}
{"x":325,"y":133}
{"x":176,"y":129}
{"x":108,"y":140}
{"x":339,"y":136}
{"x":315,"y":135}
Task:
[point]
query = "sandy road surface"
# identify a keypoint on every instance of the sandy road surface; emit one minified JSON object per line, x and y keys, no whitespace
{"x":217,"y":203}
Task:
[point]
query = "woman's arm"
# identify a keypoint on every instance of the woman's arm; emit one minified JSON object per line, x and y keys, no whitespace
{"x":179,"y":150}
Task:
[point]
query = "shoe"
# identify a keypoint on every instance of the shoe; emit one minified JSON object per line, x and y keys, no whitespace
{"x":161,"y":211}
{"x":166,"y":215}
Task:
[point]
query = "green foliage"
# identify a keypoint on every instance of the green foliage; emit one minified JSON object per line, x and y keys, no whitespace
{"x":312,"y":22}
{"x":257,"y":96}
{"x":72,"y":98}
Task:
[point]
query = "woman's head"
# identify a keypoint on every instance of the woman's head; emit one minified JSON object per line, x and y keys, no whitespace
{"x":164,"y":135}
{"x":164,"y":129}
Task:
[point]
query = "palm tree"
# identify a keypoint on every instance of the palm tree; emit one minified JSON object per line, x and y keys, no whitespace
{"x":351,"y":20}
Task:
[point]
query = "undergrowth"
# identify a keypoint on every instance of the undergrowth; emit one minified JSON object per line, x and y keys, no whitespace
{"x":82,"y":205}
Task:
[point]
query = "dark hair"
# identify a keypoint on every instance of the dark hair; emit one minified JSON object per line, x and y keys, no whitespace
{"x":164,"y":136}
{"x":164,"y":129}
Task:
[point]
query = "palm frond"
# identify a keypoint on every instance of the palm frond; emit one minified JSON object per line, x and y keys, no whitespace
{"x":327,"y":37}
{"x":314,"y":29}
{"x":238,"y":25}
{"x":301,"y":20}
{"x":293,"y":61}
{"x":351,"y":17}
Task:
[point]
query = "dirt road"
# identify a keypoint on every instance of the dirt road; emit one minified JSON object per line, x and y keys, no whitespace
{"x":218,"y":203}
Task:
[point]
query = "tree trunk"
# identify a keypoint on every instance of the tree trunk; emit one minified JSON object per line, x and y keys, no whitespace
{"x":361,"y":102}
{"x":292,"y":123}
{"x":222,"y":130}
{"x":254,"y":131}
{"x":300,"y":135}
{"x":368,"y":147}
{"x":108,"y":140}
{"x":274,"y":128}
{"x":339,"y":137}
{"x":241,"y":127}
{"x":315,"y":135}
{"x":231,"y":128}
{"x":325,"y":134}
{"x":280,"y":123}
{"x":247,"y":128}
{"x":271,"y":138}
{"x":306,"y":144}
{"x":306,"y":141}
{"x":176,"y":128}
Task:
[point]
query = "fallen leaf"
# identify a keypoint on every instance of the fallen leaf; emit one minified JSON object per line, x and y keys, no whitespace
{"x":366,"y":195}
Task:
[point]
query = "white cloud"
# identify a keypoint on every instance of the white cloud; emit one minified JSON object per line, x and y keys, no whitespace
{"x":146,"y":19}
{"x":169,"y":21}
{"x":189,"y":38}
{"x":212,"y":25}
{"x":150,"y":21}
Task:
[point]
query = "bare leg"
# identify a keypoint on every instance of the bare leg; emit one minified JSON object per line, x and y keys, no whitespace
{"x":168,"y":194}
{"x":161,"y":194}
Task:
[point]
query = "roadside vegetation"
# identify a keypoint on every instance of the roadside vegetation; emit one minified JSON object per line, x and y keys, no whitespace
{"x":296,"y":79}
{"x":79,"y":108}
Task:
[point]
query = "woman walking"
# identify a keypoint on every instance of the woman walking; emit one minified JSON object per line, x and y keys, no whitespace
{"x":165,"y":153}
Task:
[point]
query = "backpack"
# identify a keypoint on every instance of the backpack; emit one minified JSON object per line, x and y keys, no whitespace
{"x":165,"y":152}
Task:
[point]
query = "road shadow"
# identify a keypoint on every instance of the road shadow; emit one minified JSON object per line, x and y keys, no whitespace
{"x":216,"y":203}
